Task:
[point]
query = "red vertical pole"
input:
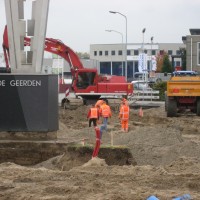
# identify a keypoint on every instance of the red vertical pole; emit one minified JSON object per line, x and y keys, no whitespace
{"x":98,"y":142}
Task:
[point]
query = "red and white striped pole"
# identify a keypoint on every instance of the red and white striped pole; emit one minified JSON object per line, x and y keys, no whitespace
{"x":98,"y":142}
{"x":67,"y":92}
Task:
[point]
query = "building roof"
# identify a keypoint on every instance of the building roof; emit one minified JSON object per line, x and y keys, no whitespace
{"x":195,"y":31}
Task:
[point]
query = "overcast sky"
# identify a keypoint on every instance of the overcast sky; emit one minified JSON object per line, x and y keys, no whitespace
{"x":79,"y":23}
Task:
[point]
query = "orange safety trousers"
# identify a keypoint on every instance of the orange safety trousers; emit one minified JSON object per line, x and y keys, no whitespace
{"x":124,"y":115}
{"x":124,"y":125}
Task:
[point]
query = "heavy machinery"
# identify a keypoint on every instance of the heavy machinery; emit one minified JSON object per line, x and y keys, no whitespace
{"x":86,"y":82}
{"x":183,"y":92}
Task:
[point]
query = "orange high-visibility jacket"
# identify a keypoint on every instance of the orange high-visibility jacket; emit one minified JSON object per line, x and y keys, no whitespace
{"x":105,"y":111}
{"x":93,"y":113}
{"x":124,"y":101}
{"x":99,"y":103}
{"x":124,"y":112}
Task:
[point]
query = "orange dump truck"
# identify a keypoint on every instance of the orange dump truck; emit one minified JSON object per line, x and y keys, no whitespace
{"x":183,"y":92}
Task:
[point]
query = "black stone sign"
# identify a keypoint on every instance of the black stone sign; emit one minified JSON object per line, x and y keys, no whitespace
{"x":28,"y":102}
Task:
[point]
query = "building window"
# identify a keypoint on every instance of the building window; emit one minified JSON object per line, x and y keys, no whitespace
{"x":106,"y":53}
{"x":95,"y":53}
{"x":178,"y":52}
{"x":120,"y":52}
{"x":136,"y":52}
{"x":198,"y":53}
{"x":145,"y":51}
{"x":100,"y":53}
{"x":130,"y":70}
{"x":112,"y":53}
{"x":105,"y":67}
{"x":136,"y":66}
{"x":178,"y":63}
{"x":148,"y":65}
{"x":117,"y":68}
{"x":153,"y":52}
{"x":161,"y":52}
{"x":170,"y":52}
{"x":128,"y":52}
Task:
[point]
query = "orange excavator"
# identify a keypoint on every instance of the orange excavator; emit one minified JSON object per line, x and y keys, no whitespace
{"x":86,"y":82}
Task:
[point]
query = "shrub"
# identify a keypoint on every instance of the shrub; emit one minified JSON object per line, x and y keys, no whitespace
{"x":161,"y":87}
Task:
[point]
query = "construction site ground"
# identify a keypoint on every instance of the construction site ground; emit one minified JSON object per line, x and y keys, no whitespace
{"x":166,"y":150}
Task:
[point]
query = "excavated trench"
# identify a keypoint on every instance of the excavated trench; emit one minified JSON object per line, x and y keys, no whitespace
{"x":29,"y":153}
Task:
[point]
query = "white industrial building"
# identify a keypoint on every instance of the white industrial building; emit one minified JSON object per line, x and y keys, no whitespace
{"x":111,"y":57}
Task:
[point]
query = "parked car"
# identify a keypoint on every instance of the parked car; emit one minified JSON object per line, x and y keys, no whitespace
{"x":140,"y":85}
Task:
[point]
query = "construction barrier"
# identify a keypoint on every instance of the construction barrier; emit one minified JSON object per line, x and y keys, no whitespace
{"x":144,"y":95}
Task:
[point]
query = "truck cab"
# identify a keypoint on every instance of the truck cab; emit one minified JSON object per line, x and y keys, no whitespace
{"x":184,"y":73}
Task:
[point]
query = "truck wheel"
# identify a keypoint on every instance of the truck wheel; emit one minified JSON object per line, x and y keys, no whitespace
{"x":171,"y":108}
{"x":63,"y":102}
{"x":198,"y":107}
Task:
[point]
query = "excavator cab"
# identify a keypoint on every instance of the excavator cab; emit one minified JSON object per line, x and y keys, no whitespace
{"x":85,"y":79}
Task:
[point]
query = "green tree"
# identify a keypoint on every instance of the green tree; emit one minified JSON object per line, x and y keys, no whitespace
{"x":183,"y":58}
{"x":162,"y":87}
{"x":159,"y":60}
{"x":167,"y":66}
{"x":84,"y":55}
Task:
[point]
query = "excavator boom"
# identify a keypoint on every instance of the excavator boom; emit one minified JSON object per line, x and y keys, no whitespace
{"x":87,"y":83}
{"x":51,"y":45}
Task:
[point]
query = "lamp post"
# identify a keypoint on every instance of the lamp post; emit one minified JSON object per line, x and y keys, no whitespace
{"x":115,"y":12}
{"x":144,"y":70}
{"x":122,"y":43}
{"x":143,"y":31}
{"x":151,"y":53}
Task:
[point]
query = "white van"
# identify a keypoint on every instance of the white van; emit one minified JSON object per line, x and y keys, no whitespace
{"x":140,"y":85}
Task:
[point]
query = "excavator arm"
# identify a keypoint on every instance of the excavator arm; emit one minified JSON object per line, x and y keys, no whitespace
{"x":51,"y":45}
{"x":87,"y":83}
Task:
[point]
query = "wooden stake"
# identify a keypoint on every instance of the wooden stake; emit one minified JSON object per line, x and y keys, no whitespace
{"x":111,"y":138}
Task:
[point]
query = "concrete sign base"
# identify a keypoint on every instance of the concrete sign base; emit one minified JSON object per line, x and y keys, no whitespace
{"x":28,"y":102}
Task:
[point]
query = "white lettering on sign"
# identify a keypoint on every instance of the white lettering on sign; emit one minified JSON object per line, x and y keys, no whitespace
{"x":28,"y":83}
{"x":2,"y":82}
{"x":21,"y":83}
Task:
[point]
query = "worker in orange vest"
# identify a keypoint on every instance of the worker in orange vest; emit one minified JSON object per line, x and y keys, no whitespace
{"x":124,"y":116}
{"x":124,"y":100}
{"x":93,"y":115}
{"x":104,"y":112}
{"x":99,"y":103}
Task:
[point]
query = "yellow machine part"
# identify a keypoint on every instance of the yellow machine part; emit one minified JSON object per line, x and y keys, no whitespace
{"x":183,"y":86}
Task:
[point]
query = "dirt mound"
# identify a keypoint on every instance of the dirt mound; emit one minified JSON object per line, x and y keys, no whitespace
{"x":184,"y":165}
{"x":153,"y":139}
{"x":166,"y":150}
{"x":95,"y":162}
{"x":74,"y":118}
{"x":79,"y":155}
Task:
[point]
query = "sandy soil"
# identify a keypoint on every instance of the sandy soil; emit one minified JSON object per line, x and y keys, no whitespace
{"x":167,"y":152}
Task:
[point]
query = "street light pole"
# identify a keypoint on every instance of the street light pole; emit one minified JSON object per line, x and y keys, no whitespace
{"x":114,"y":12}
{"x":143,"y":31}
{"x":144,"y":71}
{"x":151,"y":52}
{"x":122,"y":43}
